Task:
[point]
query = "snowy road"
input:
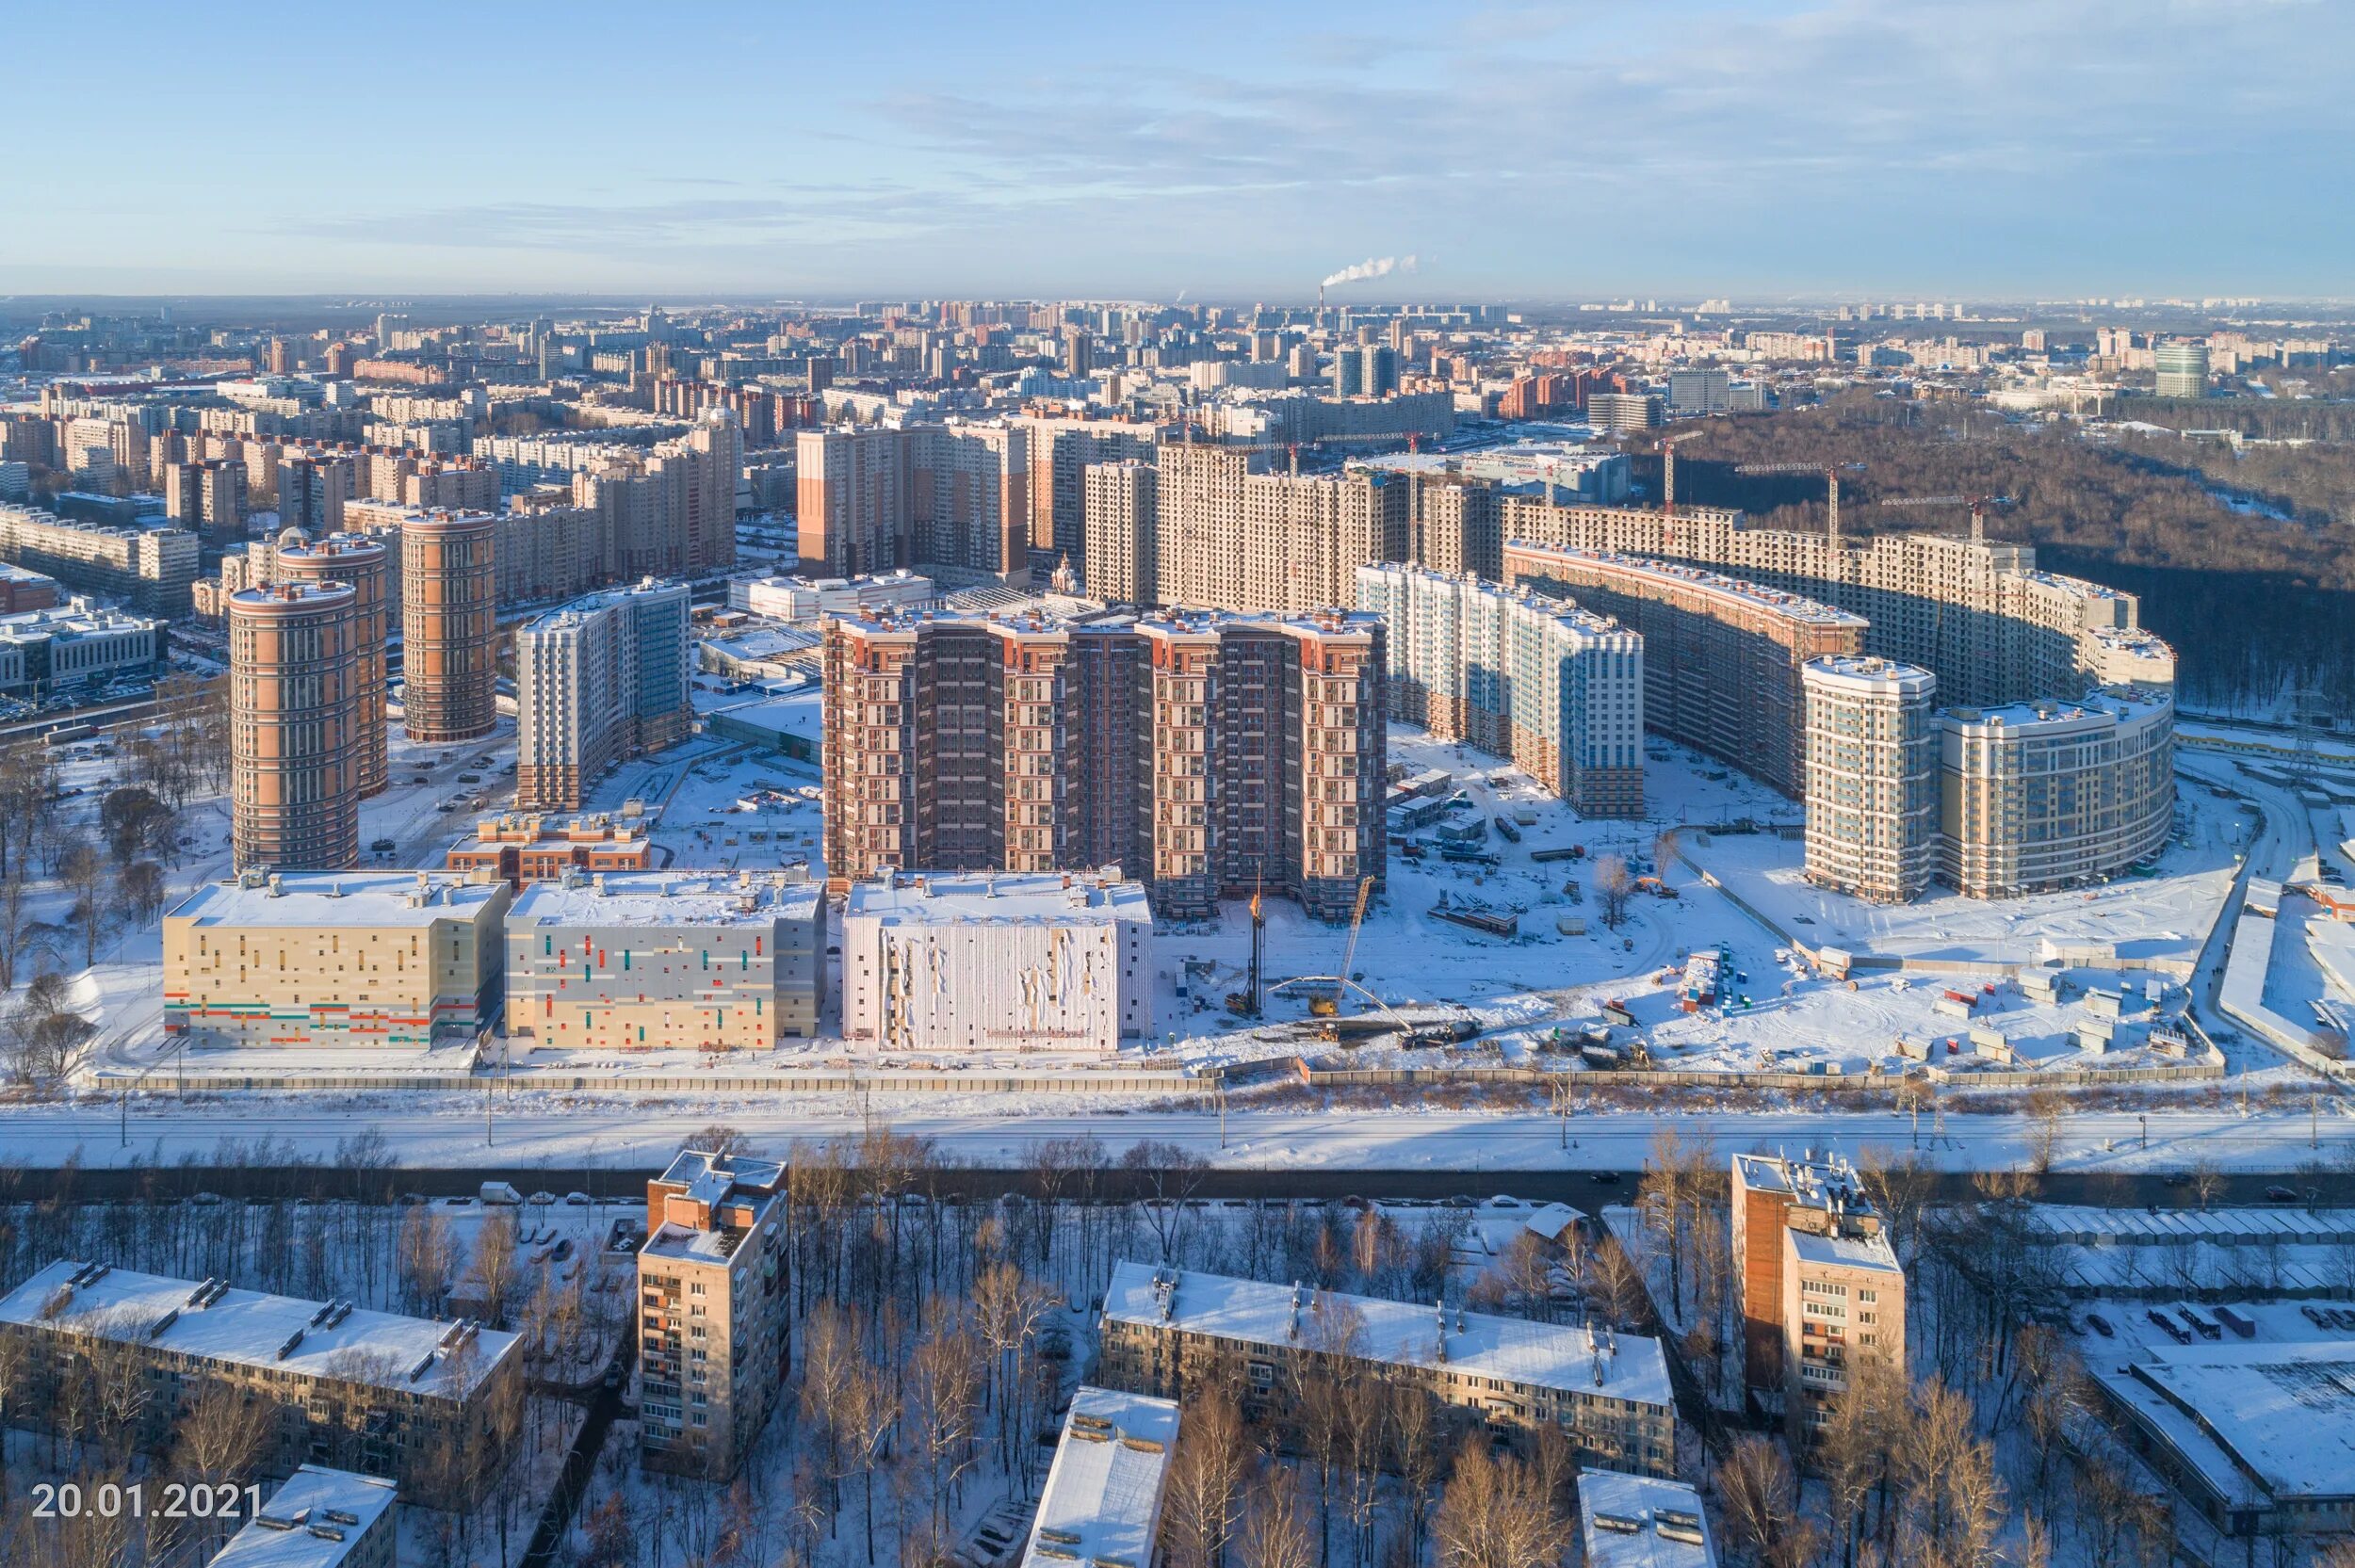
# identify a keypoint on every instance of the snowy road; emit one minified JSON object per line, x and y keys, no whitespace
{"x":1470,"y":1141}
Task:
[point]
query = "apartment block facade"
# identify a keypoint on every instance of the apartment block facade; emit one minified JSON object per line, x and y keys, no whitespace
{"x":1819,"y":1287}
{"x":1557,"y":690}
{"x":953,"y":497}
{"x":1872,"y":776}
{"x":449,"y":627}
{"x":435,"y":1407}
{"x":366,"y":566}
{"x":714,"y":1313}
{"x":1721,"y":657}
{"x":602,"y":679}
{"x":1228,"y":535}
{"x":1204,"y":754}
{"x":152,"y":570}
{"x":294,"y":727}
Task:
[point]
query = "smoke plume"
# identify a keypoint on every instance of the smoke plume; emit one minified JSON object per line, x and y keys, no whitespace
{"x":1372,"y":267}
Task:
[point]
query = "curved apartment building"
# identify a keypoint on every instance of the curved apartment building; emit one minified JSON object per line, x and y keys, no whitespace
{"x":1721,"y":657}
{"x":2037,"y":796}
{"x":366,"y":565}
{"x":449,"y":627}
{"x":294,"y":727}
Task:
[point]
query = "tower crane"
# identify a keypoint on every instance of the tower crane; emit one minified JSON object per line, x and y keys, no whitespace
{"x":1830,"y":473}
{"x":1978,"y":505}
{"x":1669,"y":470}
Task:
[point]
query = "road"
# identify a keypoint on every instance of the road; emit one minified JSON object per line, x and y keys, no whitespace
{"x":452,"y":1132}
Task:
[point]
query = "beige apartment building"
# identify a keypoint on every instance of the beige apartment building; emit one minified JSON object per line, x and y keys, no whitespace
{"x":932,"y":496}
{"x":366,"y":566}
{"x":1122,"y":566}
{"x":1872,"y":776}
{"x":1166,"y":1329}
{"x":1229,"y":535}
{"x":449,"y":627}
{"x":350,"y":958}
{"x":320,"y":1518}
{"x":2035,"y":796}
{"x":714,"y":1314}
{"x":432,"y":1406}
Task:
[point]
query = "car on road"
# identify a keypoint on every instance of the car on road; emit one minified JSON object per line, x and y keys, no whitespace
{"x":1603,"y":1178}
{"x":382,"y":846}
{"x":2100,"y":1325}
{"x":2279,"y":1195}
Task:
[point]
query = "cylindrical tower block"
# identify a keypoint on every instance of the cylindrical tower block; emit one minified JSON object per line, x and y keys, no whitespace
{"x":293,"y":720}
{"x":364,"y":563}
{"x":449,"y":630}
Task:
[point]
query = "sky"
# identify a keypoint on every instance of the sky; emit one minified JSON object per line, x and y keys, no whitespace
{"x":1759,"y":149}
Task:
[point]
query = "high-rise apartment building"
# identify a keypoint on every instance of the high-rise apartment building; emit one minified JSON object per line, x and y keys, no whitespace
{"x":1819,"y":1287}
{"x":150,"y":569}
{"x":449,"y":627}
{"x":937,"y":497}
{"x":207,"y":498}
{"x":714,"y":1313}
{"x":1721,"y":657}
{"x":1062,"y":452}
{"x":1229,"y":535}
{"x":1872,"y":776}
{"x":2183,"y":369}
{"x":366,"y":565}
{"x":1203,"y":755}
{"x":1702,"y":390}
{"x":2035,"y":796}
{"x":294,"y":727}
{"x":1557,"y":690}
{"x":602,"y":679}
{"x":1121,"y":555}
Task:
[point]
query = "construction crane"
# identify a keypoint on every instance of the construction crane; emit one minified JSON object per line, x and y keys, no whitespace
{"x":1324,"y":1004}
{"x":1831,"y":474}
{"x":1668,"y":471}
{"x":1978,"y":505}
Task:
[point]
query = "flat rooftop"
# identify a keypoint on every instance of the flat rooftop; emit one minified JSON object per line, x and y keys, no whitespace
{"x":314,"y":1520}
{"x":2056,"y":712}
{"x":1623,"y":1519}
{"x":1102,"y":1500}
{"x":1847,"y":1252}
{"x":251,"y":1328}
{"x":2282,"y":1417}
{"x":1790,"y":606}
{"x":962,"y":898}
{"x":1513,"y":1349}
{"x":347,"y":898}
{"x":1867,"y":669}
{"x":663,"y":898}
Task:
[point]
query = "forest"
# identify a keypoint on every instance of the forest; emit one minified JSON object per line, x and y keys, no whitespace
{"x":2245,"y":562}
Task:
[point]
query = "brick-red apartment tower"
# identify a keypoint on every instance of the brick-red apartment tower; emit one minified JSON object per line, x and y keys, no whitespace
{"x":365,"y":563}
{"x":449,"y":627}
{"x":293,"y":712}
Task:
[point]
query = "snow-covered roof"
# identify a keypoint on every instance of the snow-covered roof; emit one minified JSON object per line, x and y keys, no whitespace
{"x":1101,"y":1507}
{"x":338,"y":898}
{"x":2275,"y":1417}
{"x":1642,"y":1522}
{"x":1845,"y":1252}
{"x":315,"y":1521}
{"x":251,"y":1328}
{"x":1478,"y":1344}
{"x":663,"y":898}
{"x":949,"y":899}
{"x":1551,"y":1220}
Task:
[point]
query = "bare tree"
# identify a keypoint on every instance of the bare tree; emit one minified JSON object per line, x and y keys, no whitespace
{"x":1613,"y":888}
{"x":2207,"y":1181}
{"x":1170,"y":1175}
{"x":1495,"y":1513}
{"x":84,"y":873}
{"x":429,"y":1255}
{"x":496,"y":1264}
{"x":219,"y":1438}
{"x":1619,"y":1284}
{"x":1205,"y":1481}
{"x":1761,"y":1497}
{"x":1274,"y":1533}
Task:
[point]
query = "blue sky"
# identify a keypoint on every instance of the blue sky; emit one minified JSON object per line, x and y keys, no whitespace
{"x":1238,"y":152}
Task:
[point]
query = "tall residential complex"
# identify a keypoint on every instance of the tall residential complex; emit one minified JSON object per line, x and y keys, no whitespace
{"x":953,"y":496}
{"x":1819,"y":1287}
{"x":1559,"y":690}
{"x":449,"y":627}
{"x":1203,"y":755}
{"x":334,"y":959}
{"x":1981,"y":615}
{"x":366,"y":565}
{"x":1121,"y":566}
{"x":714,"y":1314}
{"x":207,"y":498}
{"x":294,"y":727}
{"x":623,"y":961}
{"x":1872,"y":776}
{"x":601,"y":679}
{"x":669,"y":513}
{"x":1721,"y":657}
{"x":2043,"y":795}
{"x":1062,"y":452}
{"x":1228,"y":535}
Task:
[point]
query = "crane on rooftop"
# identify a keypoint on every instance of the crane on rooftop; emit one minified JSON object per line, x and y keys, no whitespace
{"x":1978,"y":505}
{"x":1830,"y":473}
